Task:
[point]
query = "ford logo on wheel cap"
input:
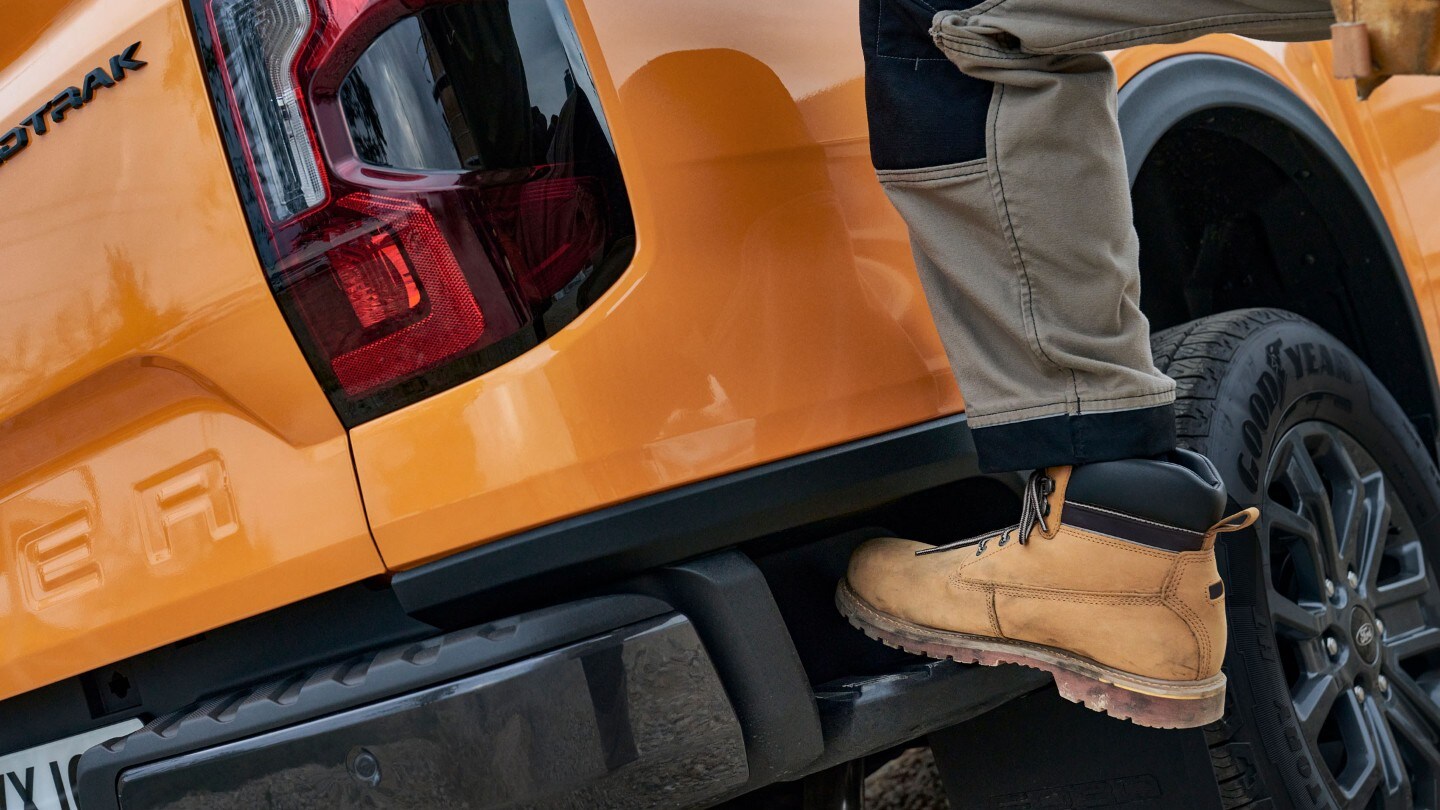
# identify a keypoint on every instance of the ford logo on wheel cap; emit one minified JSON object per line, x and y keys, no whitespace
{"x":1362,"y":630}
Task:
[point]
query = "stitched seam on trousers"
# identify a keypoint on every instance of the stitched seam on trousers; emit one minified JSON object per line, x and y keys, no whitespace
{"x":1066,"y":403}
{"x":1063,"y":404}
{"x":879,"y":55}
{"x":930,"y":178}
{"x":1101,"y":405}
{"x":973,"y":39}
{"x":969,"y":168}
{"x":977,"y":42}
{"x":969,"y":48}
{"x":995,"y":51}
{"x":922,"y":181}
{"x":982,"y":8}
{"x":979,"y":164}
{"x":1198,"y":633}
{"x":879,"y":22}
{"x":1232,"y":21}
{"x":1027,"y":313}
{"x":1131,"y":35}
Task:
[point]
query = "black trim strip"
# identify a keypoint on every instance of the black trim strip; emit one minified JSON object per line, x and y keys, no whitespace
{"x":1054,"y":441}
{"x":1130,"y":529}
{"x":565,"y":558}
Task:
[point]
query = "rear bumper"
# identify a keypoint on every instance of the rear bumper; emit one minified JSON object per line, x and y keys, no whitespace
{"x":682,"y":692}
{"x":669,"y":684}
{"x":630,"y":717}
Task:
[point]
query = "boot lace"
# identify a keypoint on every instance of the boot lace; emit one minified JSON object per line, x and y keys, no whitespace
{"x":1034,"y":508}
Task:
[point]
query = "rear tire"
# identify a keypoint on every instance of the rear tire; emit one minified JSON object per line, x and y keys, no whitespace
{"x":1298,"y":426}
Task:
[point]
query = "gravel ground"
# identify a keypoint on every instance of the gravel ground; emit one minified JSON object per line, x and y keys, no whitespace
{"x":908,"y":782}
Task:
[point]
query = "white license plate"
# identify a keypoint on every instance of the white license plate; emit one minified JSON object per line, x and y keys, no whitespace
{"x":40,"y":777}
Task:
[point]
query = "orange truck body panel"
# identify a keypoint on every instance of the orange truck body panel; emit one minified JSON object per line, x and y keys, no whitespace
{"x":772,"y":306}
{"x":168,"y":463}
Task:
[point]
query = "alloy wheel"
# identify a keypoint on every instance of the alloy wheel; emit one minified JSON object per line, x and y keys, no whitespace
{"x":1356,"y":613}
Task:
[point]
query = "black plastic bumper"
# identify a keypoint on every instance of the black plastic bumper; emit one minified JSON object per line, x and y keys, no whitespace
{"x":680,"y":685}
{"x":632,"y":717}
{"x":685,"y":691}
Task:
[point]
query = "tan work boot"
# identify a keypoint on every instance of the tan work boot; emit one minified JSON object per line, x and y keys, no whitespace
{"x":1125,"y":610}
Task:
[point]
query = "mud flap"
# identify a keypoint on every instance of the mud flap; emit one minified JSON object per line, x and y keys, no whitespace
{"x":1041,"y":752}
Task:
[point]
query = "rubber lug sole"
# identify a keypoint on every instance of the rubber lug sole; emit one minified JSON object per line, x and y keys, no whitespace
{"x":1144,"y":701}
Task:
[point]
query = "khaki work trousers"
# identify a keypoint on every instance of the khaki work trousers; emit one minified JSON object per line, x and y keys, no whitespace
{"x":1011,"y":177}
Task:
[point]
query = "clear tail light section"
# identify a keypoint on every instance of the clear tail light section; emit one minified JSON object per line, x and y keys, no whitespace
{"x":431,"y":186}
{"x":259,"y":43}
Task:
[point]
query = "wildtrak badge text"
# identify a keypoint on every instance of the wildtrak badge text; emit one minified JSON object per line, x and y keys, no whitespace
{"x":71,"y":98}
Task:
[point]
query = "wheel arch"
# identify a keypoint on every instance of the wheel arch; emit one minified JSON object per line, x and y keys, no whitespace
{"x":1265,"y":203}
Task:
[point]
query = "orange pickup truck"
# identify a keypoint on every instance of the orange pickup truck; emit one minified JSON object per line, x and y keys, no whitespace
{"x":420,"y":403}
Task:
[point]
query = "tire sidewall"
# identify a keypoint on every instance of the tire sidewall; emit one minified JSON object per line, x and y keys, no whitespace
{"x":1287,"y":372}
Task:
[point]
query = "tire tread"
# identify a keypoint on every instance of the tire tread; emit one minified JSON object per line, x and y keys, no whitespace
{"x":1197,"y":355}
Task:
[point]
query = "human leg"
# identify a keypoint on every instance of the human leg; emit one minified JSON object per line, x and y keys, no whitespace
{"x":1021,"y":225}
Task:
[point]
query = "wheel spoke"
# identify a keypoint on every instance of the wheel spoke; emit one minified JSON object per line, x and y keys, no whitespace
{"x":1413,"y":643}
{"x":1295,"y":620}
{"x":1395,"y":782}
{"x":1362,"y":774}
{"x":1421,"y":702}
{"x":1305,"y":477}
{"x":1410,"y":728}
{"x":1314,"y":697}
{"x":1347,"y":500}
{"x":1411,"y":585}
{"x":1288,"y":520}
{"x":1375,"y":532}
{"x":1291,"y":523}
{"x":1302,"y":473}
{"x":1409,"y":732}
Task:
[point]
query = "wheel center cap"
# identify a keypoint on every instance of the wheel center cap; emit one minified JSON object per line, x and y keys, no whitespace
{"x":1362,"y":631}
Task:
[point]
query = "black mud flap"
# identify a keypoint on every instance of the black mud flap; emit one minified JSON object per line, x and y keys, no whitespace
{"x":1041,"y":752}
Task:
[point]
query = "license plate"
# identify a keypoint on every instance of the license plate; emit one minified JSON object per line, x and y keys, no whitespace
{"x":42,"y":777}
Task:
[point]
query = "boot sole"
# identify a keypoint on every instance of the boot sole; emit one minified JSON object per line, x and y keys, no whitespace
{"x":1144,"y":701}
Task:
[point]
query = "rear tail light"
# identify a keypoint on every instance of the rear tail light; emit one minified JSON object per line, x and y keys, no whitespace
{"x":547,"y":228}
{"x":259,"y":43}
{"x":430,"y":185}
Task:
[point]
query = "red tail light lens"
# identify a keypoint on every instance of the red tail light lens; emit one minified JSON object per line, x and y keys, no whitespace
{"x":431,"y":187}
{"x":378,"y":271}
{"x":377,"y":279}
{"x":549,"y":229}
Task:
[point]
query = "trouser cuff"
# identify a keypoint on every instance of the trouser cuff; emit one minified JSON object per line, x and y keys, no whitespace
{"x":1055,"y":441}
